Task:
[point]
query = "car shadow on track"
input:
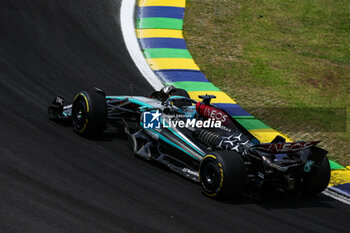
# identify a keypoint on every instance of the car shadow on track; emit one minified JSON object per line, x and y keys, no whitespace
{"x":110,"y":134}
{"x":276,"y":199}
{"x":282,"y":201}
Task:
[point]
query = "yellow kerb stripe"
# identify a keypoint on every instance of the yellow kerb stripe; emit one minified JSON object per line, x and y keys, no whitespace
{"x":267,"y":135}
{"x":174,"y":3}
{"x":172,"y":64}
{"x":160,"y":33}
{"x":339,"y":177}
{"x":221,"y":97}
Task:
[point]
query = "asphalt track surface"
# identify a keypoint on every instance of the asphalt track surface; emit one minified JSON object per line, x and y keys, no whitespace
{"x":51,"y":180}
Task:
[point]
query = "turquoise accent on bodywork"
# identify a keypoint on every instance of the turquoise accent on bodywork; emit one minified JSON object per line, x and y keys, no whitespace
{"x":135,"y":101}
{"x":177,"y":97}
{"x":182,"y":138}
{"x":185,"y":141}
{"x":170,"y":142}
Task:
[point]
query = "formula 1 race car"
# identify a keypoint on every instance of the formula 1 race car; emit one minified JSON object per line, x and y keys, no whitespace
{"x":199,"y":141}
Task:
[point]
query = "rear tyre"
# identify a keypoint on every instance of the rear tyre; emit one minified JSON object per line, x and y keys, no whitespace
{"x":222,"y":174}
{"x":316,"y":182}
{"x":89,"y":113}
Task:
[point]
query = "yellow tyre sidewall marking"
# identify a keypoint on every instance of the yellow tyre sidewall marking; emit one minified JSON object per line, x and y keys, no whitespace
{"x":221,"y":176}
{"x":86,"y":101}
{"x":87,"y":110}
{"x":211,"y":156}
{"x":84,"y":127}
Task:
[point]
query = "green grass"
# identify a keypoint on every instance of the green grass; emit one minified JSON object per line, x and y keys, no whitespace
{"x":275,"y":54}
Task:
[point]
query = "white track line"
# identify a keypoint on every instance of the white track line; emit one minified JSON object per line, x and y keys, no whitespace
{"x":128,"y":30}
{"x":336,"y":196}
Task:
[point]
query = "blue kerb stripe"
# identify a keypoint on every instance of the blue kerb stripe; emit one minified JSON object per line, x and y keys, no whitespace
{"x":173,"y":43}
{"x":161,"y":11}
{"x":233,"y":109}
{"x":343,"y":189}
{"x":170,"y":76}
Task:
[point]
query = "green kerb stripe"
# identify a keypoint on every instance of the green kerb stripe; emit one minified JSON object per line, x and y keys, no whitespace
{"x":335,"y":166}
{"x":252,"y":124}
{"x":243,"y":117}
{"x":155,"y":23}
{"x":166,"y":53}
{"x":195,"y":86}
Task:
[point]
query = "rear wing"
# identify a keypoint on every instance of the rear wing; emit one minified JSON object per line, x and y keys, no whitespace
{"x":284,"y":147}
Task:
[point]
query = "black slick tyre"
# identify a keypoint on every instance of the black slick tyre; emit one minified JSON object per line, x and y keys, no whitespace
{"x":317,"y":181}
{"x":222,"y":174}
{"x":89,"y":113}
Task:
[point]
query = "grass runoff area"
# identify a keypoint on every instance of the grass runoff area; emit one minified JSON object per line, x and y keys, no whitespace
{"x":286,"y":62}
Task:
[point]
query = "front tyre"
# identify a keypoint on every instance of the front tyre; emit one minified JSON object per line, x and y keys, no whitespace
{"x":222,"y":174}
{"x":89,"y":113}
